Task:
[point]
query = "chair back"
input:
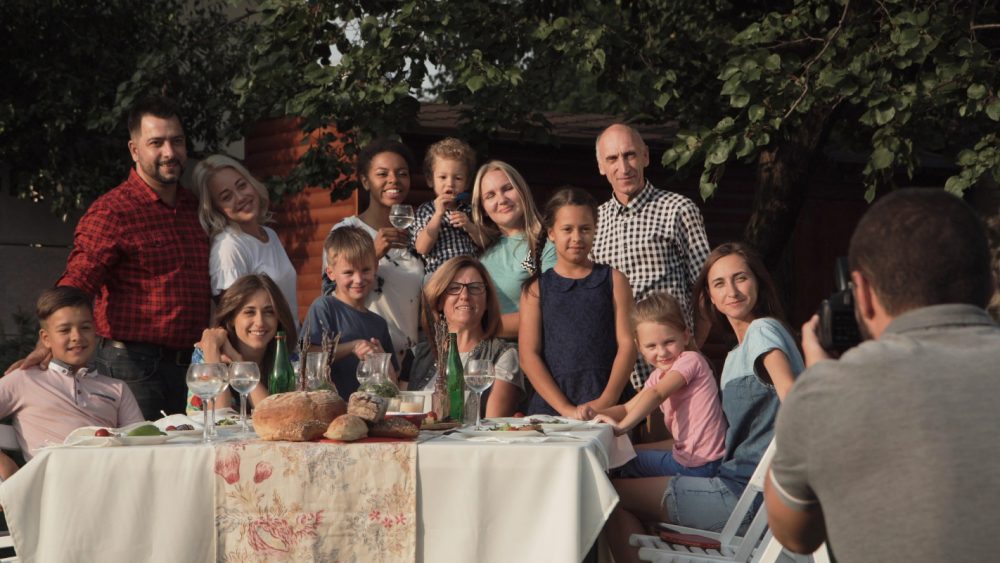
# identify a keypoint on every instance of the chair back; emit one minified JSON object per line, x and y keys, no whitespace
{"x":8,"y":439}
{"x":731,"y":548}
{"x":743,"y":550}
{"x":771,"y":550}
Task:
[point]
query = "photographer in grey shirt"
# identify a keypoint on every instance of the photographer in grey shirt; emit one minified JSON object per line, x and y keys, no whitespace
{"x":886,"y":453}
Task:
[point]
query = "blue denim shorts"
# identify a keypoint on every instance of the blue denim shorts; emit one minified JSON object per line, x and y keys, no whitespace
{"x":661,"y":463}
{"x":704,"y":503}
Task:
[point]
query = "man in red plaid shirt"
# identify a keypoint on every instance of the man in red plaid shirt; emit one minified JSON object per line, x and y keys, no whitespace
{"x":142,"y":253}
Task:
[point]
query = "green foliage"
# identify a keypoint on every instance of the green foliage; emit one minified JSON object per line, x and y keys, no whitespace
{"x":502,"y":64}
{"x":893,"y":81}
{"x":72,"y":69}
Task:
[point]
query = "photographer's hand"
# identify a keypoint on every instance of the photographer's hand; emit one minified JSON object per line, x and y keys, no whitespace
{"x":811,"y":350}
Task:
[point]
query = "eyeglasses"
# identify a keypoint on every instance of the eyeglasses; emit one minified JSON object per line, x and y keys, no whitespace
{"x":475,"y":288}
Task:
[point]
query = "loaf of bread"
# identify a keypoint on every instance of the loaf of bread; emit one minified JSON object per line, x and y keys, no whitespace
{"x":327,"y":405}
{"x":394,"y":428}
{"x":347,"y":428}
{"x":297,"y":417}
{"x":368,"y":406}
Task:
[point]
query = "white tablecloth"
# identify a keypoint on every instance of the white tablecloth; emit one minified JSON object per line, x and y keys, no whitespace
{"x":502,"y":502}
{"x":140,"y":503}
{"x":476,"y":501}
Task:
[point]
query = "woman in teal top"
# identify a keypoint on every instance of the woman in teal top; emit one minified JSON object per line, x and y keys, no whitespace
{"x":505,"y":210}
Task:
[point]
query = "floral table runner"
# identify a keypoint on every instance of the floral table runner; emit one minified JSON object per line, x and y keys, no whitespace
{"x":286,"y":501}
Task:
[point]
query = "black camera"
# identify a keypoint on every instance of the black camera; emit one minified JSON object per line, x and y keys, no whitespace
{"x":838,"y":326}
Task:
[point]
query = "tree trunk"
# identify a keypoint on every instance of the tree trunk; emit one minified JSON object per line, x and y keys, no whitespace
{"x":985,"y":197}
{"x":782,"y":180}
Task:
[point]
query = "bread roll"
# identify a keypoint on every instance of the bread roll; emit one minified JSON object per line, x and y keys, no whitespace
{"x":394,"y":428}
{"x":347,"y":428}
{"x":368,"y":406}
{"x":298,"y":416}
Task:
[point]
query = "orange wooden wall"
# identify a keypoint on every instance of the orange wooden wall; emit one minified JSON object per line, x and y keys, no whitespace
{"x":303,"y":219}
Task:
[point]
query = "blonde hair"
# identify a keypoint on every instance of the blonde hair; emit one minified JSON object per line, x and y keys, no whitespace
{"x":449,"y":149}
{"x":661,"y":308}
{"x":436,"y":288}
{"x":351,"y":243}
{"x":213,"y":220}
{"x":489,"y":231}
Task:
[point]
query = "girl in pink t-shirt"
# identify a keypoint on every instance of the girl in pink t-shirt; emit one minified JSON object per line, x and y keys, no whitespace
{"x":682,"y":386}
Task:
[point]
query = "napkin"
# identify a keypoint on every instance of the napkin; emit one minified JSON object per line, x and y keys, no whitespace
{"x":621,"y":451}
{"x":84,"y":437}
{"x":177,"y":420}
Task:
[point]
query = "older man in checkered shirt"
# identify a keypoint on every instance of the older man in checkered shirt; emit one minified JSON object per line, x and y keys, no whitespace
{"x":655,"y":237}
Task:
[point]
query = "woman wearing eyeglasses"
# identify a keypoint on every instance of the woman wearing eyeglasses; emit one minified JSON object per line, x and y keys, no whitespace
{"x":461,"y":296}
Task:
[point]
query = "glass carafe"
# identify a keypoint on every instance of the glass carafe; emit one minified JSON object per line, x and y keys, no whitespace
{"x":380,"y":384}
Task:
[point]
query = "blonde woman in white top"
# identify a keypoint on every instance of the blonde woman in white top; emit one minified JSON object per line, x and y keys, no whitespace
{"x":233,"y":211}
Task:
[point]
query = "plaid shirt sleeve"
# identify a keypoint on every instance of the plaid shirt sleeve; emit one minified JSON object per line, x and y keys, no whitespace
{"x":694,"y":242}
{"x":95,"y":249}
{"x":422,"y":218}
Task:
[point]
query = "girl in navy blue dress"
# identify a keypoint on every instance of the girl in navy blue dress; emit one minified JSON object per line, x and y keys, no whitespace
{"x":575,"y":341}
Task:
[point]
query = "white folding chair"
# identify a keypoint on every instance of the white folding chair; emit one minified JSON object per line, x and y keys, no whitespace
{"x":771,"y":551}
{"x":732,"y":548}
{"x":8,"y":442}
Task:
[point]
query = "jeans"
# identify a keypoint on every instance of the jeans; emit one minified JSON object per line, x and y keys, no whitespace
{"x":661,"y":463}
{"x":154,"y":375}
{"x":702,"y":503}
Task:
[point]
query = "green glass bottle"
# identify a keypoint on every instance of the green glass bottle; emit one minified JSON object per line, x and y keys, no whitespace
{"x":282,"y":378}
{"x":456,"y":380}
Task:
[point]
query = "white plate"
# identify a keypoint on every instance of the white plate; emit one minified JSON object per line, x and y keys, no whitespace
{"x":513,"y":421}
{"x":174,"y":433}
{"x":502,"y":434}
{"x":565,"y":426}
{"x":143,"y":440}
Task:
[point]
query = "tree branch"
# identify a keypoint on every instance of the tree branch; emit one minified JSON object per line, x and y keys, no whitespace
{"x":986,"y":26}
{"x":783,"y":44}
{"x":805,"y":70}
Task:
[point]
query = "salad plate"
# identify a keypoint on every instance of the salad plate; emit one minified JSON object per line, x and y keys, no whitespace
{"x":143,"y":440}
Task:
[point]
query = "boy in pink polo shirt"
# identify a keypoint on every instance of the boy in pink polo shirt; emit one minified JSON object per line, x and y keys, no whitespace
{"x":49,"y":404}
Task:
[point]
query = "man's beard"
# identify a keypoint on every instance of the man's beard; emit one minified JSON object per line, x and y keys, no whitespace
{"x":154,"y":171}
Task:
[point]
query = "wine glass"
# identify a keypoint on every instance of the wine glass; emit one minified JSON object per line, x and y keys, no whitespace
{"x":206,"y":381}
{"x":479,"y":377}
{"x":243,"y":377}
{"x":401,"y":216}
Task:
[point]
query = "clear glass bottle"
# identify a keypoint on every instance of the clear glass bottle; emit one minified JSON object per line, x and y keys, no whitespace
{"x":440,"y":404}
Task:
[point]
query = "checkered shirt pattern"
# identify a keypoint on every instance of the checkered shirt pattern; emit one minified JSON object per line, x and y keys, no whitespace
{"x":658,"y":241}
{"x":451,"y":241}
{"x":146,"y":264}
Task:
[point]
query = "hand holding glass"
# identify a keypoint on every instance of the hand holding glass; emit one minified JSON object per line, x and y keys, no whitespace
{"x":243,"y":377}
{"x":479,"y":377}
{"x":206,"y":381}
